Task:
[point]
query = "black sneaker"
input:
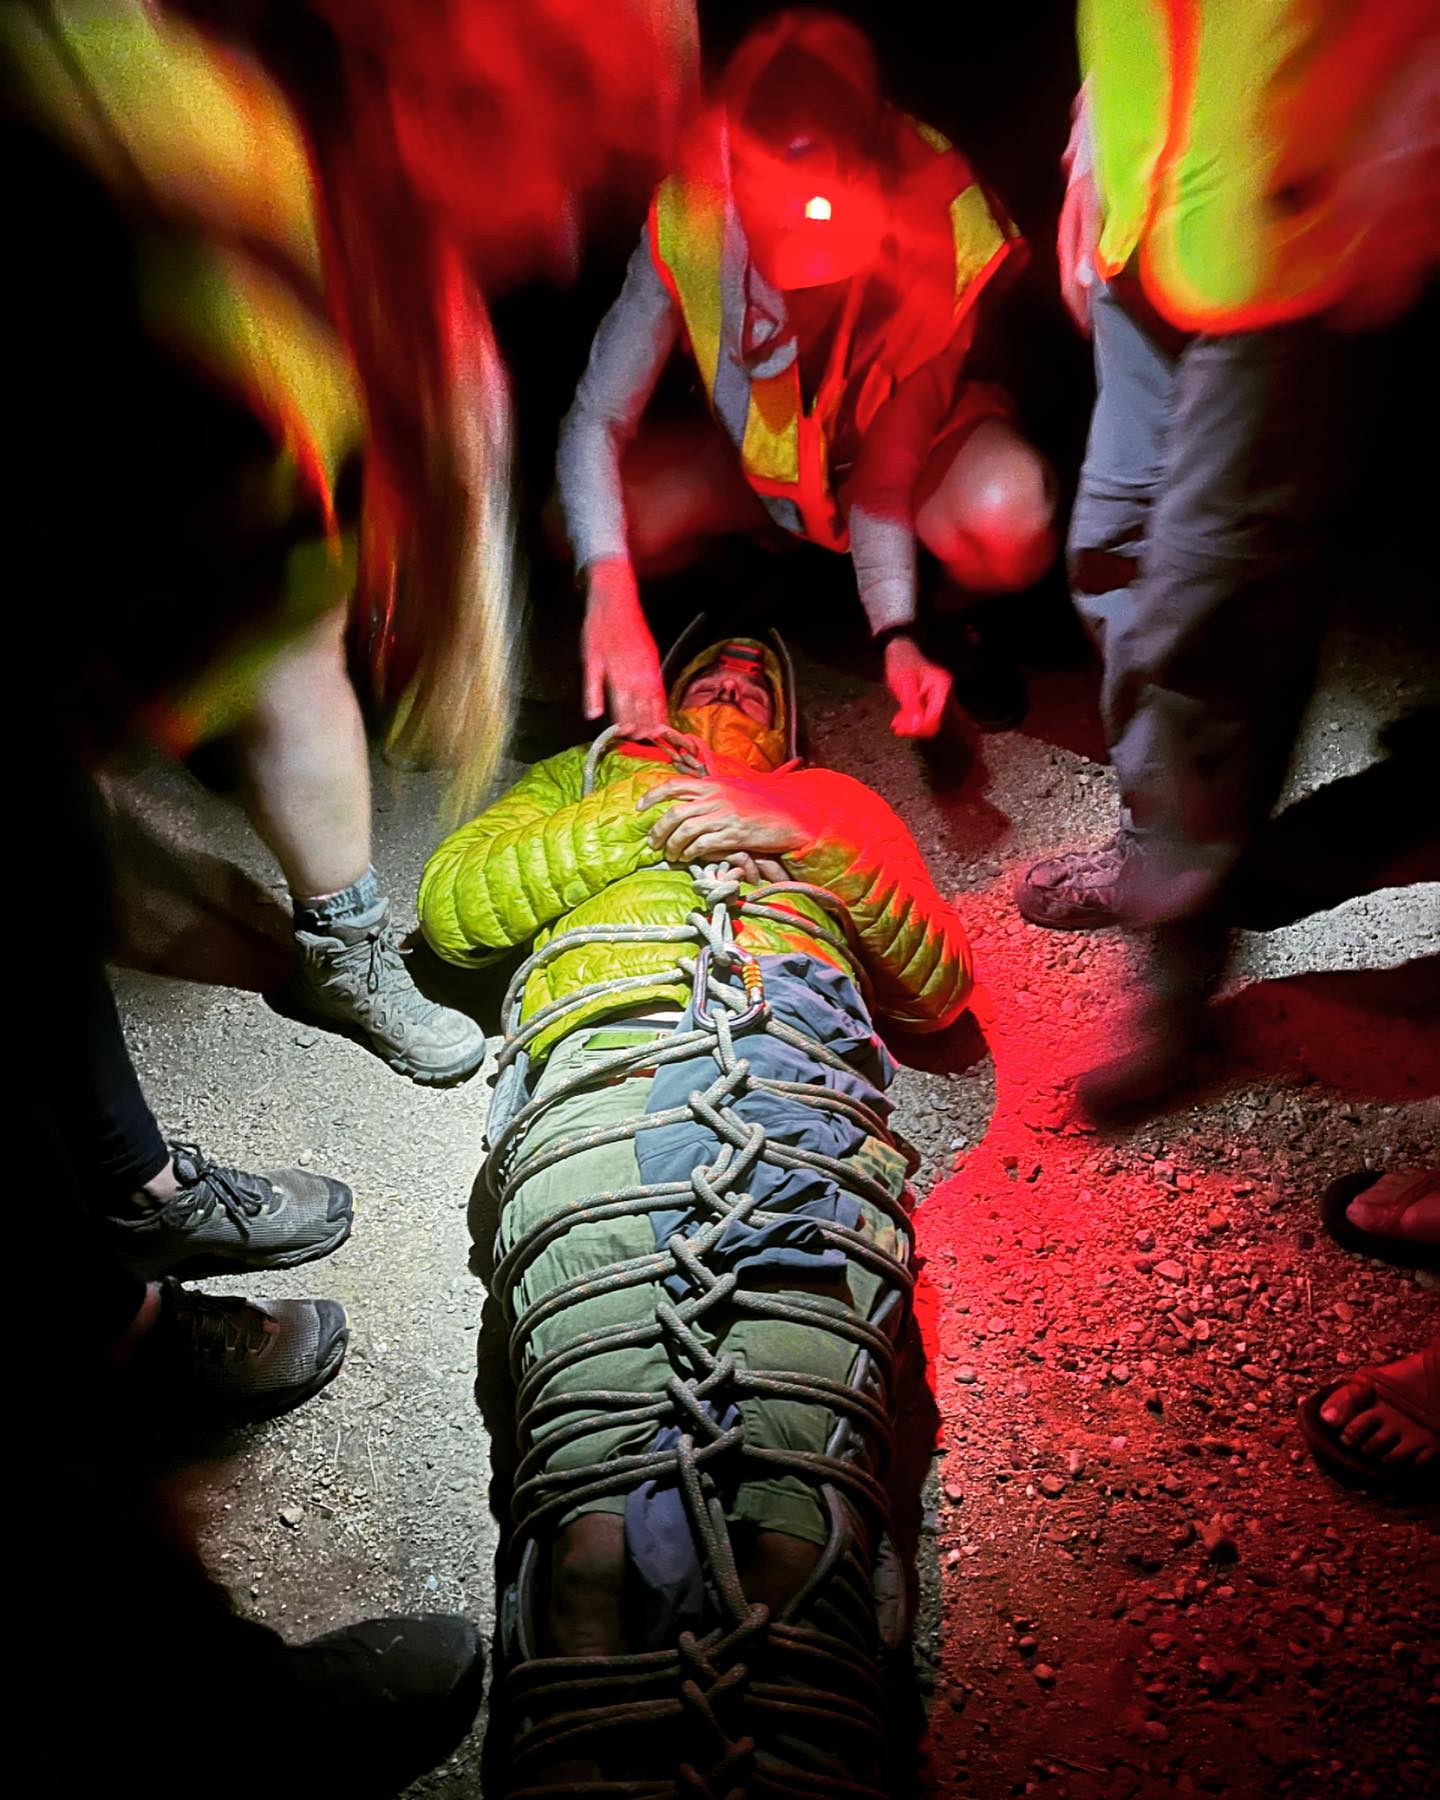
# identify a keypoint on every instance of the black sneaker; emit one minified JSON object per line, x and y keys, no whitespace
{"x":381,"y":1702}
{"x":236,"y":1358}
{"x":227,"y":1221}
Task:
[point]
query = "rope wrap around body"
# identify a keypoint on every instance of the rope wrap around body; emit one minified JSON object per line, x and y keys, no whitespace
{"x":750,"y":1703}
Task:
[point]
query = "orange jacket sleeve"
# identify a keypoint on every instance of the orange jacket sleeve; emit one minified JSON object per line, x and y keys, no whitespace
{"x":914,"y":945}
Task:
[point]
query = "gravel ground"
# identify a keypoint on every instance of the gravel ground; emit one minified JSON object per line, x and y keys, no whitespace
{"x":1136,"y":1582}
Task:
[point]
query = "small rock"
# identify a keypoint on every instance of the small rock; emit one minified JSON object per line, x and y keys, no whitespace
{"x":1220,"y":1547}
{"x":966,"y":1375}
{"x":1170,"y":1270}
{"x":1044,"y":1674}
{"x":1052,"y":1485}
{"x":293,"y":1516}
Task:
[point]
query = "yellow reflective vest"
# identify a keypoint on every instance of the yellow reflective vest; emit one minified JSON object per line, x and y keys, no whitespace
{"x":947,"y":243}
{"x":1219,"y":129}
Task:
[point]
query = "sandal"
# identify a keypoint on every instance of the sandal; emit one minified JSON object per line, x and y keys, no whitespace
{"x":1404,"y":1253}
{"x":1353,"y":1466}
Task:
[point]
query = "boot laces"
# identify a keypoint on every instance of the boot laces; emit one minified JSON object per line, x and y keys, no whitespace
{"x":210,"y":1186}
{"x":219,"y":1329}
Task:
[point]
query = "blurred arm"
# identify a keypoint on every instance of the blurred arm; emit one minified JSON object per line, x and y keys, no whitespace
{"x":630,"y":350}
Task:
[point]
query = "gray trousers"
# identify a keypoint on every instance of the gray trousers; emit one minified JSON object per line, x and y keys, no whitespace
{"x":1198,"y":561}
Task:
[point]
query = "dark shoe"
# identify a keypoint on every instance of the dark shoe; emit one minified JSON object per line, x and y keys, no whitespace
{"x":384,"y":1701}
{"x":352,"y":978}
{"x":238,"y":1359}
{"x":1076,"y":891}
{"x":227,"y":1221}
{"x":987,"y":684}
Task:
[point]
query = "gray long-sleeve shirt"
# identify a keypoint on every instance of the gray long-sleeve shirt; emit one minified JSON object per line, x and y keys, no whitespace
{"x":631,"y":349}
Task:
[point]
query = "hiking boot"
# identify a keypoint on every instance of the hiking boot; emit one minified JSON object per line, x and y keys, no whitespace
{"x":382,"y":1702}
{"x":352,"y":979}
{"x":1076,"y":891}
{"x":240,"y":1359}
{"x":227,"y":1221}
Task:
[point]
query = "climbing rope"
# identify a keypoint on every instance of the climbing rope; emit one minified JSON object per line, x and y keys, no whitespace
{"x":791,"y":1704}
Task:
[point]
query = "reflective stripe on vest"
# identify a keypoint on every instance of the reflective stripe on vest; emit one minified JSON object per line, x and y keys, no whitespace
{"x":699,"y":250}
{"x":1220,"y":131}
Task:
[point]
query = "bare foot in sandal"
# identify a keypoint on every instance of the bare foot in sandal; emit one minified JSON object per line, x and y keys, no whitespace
{"x":1403,"y":1203}
{"x":1394,"y":1216}
{"x":1380,"y":1427}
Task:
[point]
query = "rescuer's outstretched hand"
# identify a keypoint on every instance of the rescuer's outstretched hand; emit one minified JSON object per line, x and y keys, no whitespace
{"x":920,"y":688}
{"x":621,"y":660}
{"x":729,"y":818}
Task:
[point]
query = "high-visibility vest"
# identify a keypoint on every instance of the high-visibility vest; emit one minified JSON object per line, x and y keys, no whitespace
{"x":1219,"y":128}
{"x":946,"y":245}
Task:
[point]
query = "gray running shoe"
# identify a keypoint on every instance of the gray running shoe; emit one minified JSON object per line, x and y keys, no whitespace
{"x":352,"y":979}
{"x":1076,"y":891}
{"x":238,"y":1359}
{"x":226,"y":1221}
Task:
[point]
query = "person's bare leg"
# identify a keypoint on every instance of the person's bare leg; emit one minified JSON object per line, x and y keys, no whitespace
{"x":306,"y":765}
{"x":585,"y":1592}
{"x":775,"y":1566}
{"x":986,"y":510}
{"x":307,"y":774}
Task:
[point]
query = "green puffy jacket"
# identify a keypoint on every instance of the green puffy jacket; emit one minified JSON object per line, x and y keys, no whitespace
{"x":547,"y":858}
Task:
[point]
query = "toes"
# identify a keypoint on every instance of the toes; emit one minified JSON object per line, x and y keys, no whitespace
{"x":1386,"y":1438}
{"x":1407,"y":1448}
{"x":1362,"y":1427}
{"x":1347,"y":1400}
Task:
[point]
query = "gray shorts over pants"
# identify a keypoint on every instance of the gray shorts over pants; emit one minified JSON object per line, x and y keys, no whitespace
{"x":1198,"y":561}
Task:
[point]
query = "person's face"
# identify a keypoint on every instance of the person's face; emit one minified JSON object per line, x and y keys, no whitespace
{"x":720,"y":686}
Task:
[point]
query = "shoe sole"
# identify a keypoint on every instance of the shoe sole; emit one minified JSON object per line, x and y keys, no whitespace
{"x":451,"y":1076}
{"x":197,"y":1267}
{"x":1032,"y":916}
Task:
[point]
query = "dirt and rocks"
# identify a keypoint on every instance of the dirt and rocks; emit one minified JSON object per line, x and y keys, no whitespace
{"x":1136,"y":1581}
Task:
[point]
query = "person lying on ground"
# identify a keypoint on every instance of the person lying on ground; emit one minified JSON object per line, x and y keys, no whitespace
{"x":550,"y":858}
{"x":1379,"y":1427}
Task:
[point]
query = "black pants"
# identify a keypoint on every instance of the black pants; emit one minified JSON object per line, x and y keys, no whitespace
{"x":99,"y":1140}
